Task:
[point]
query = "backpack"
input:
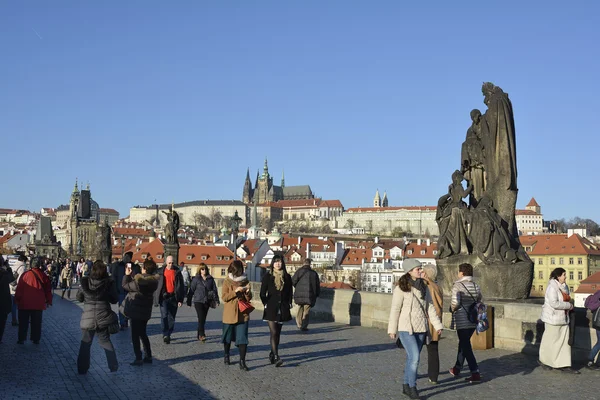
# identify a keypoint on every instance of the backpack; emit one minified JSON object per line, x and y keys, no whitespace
{"x":477,"y":313}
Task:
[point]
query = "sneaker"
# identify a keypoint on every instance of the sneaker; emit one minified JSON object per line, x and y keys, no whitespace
{"x":591,"y":365}
{"x":455,"y":372}
{"x":474,"y":378}
{"x":433,"y":382}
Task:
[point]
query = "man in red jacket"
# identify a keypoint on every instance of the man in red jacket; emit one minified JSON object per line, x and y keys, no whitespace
{"x":33,"y":294}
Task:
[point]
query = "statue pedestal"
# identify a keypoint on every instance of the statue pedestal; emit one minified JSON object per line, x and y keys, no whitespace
{"x":172,"y":249}
{"x":497,"y":281}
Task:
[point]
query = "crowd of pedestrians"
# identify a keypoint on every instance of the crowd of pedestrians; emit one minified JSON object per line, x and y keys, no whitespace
{"x":414,"y":320}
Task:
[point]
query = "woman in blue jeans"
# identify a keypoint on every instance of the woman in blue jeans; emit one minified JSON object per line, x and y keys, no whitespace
{"x":410,"y":314}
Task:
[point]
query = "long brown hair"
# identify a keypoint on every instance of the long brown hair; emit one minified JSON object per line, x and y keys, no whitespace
{"x":404,"y":282}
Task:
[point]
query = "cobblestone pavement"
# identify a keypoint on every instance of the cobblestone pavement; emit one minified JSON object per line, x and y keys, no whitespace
{"x":332,"y":361}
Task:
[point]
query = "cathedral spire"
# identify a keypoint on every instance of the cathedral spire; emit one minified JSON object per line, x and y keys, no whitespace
{"x":266,"y":169}
{"x":384,"y":201}
{"x":377,"y":199}
{"x":75,"y":189}
{"x":282,"y":178}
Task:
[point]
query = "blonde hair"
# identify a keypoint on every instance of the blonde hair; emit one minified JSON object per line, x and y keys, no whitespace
{"x":431,"y":271}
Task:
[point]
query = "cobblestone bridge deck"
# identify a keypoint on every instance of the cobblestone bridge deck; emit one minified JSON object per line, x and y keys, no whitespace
{"x":332,"y":361}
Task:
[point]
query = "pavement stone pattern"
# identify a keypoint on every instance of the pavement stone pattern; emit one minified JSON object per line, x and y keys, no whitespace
{"x":331,"y":361}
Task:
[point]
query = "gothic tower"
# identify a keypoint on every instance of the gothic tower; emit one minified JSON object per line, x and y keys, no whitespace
{"x":384,"y":202}
{"x":247,"y":194}
{"x":377,"y":200}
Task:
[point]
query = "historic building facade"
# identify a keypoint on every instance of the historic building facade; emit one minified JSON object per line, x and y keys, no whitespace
{"x":530,"y":220}
{"x":265,"y":191}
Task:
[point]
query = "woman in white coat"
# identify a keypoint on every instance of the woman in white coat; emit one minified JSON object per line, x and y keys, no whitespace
{"x":410,"y":314}
{"x":555,"y":352}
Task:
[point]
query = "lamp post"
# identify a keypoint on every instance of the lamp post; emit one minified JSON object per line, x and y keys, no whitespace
{"x":122,"y":246}
{"x":235,"y":228}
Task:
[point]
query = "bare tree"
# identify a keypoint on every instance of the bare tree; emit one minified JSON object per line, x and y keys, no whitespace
{"x":350,"y":224}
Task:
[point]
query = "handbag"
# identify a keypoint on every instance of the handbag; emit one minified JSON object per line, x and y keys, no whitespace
{"x":596,"y":319}
{"x":245,"y":306}
{"x":114,"y":326}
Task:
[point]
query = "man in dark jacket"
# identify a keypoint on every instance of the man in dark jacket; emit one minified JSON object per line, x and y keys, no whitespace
{"x":308,"y":287}
{"x":117,"y":272}
{"x":169,"y":296}
{"x":6,"y":277}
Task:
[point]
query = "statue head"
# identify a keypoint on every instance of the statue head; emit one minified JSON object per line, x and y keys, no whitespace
{"x":457,"y":177}
{"x":475,"y":115}
{"x":487,"y":89}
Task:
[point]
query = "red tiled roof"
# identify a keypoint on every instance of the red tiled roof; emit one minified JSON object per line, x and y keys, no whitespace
{"x":331,"y":203}
{"x":152,"y":249}
{"x":130,"y":232}
{"x":383,"y":209}
{"x":108,"y":211}
{"x":211,"y":255}
{"x":300,"y":203}
{"x":525,"y":212}
{"x":532,"y":203}
{"x":589,"y":285}
{"x":417,"y":248}
{"x":558,"y":244}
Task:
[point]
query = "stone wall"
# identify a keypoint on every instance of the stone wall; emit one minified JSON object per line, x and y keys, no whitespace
{"x":516,"y":325}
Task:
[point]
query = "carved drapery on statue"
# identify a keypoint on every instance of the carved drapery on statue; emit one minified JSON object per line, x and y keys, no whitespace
{"x":483,"y":232}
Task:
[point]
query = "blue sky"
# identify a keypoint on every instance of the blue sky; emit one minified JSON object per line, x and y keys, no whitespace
{"x":173,"y":101}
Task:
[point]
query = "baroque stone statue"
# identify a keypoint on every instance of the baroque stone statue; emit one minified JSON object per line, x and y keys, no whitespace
{"x":172,"y":227}
{"x":483,"y":232}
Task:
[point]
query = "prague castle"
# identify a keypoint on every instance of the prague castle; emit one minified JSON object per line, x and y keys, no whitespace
{"x":265,"y":191}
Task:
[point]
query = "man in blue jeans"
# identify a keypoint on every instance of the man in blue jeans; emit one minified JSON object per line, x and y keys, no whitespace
{"x":117,"y":271}
{"x":169,"y":296}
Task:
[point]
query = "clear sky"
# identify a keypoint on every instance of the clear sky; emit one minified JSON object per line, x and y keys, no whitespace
{"x":173,"y":101}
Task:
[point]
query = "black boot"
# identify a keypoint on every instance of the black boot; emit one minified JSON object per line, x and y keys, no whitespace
{"x":272,"y":357}
{"x":243,"y":365}
{"x":226,"y":347}
{"x":405,"y":389}
{"x":278,"y":361}
{"x":413,"y":393}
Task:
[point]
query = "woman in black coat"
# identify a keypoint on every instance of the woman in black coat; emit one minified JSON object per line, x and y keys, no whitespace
{"x":6,"y":277}
{"x":203,"y":293}
{"x":138,"y":307}
{"x":276,"y":296}
{"x":97,"y":293}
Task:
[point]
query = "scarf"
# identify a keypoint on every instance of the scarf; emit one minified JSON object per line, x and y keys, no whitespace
{"x":278,"y":275}
{"x":420,"y":285}
{"x":241,"y":280}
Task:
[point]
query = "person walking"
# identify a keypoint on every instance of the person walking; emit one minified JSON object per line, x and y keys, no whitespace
{"x":170,"y":296}
{"x":6,"y":278}
{"x":465,"y":292}
{"x":308,"y":288}
{"x":555,"y":351}
{"x":592,"y":303}
{"x":185,"y":274}
{"x":409,"y":314}
{"x":97,"y":292}
{"x":138,"y":307}
{"x":78,"y":269}
{"x":18,"y":268}
{"x":117,"y":271}
{"x":276,"y":296}
{"x":66,"y":280}
{"x":235,"y":322}
{"x":204,"y":294}
{"x":33,"y":295}
{"x":429,"y":275}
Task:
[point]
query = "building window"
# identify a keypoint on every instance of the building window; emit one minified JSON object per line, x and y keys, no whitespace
{"x":571,"y":275}
{"x":571,"y":289}
{"x":540,"y":261}
{"x":580,"y":275}
{"x":579,"y":260}
{"x":541,"y":288}
{"x":571,"y":262}
{"x":561,"y":261}
{"x":541,"y":274}
{"x":222,"y":271}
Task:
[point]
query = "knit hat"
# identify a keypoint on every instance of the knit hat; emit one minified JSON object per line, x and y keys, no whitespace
{"x":410,"y":264}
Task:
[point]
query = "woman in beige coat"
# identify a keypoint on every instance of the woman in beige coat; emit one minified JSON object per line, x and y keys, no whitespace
{"x":410,"y":313}
{"x":235,"y":323}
